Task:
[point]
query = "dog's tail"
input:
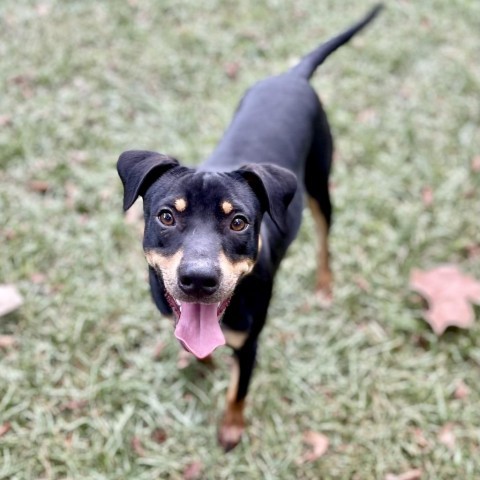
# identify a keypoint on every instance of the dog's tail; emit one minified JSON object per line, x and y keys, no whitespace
{"x":308,"y":64}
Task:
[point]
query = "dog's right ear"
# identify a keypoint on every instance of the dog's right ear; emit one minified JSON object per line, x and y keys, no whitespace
{"x":136,"y":168}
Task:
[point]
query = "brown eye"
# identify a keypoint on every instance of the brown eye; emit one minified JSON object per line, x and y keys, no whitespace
{"x":166,"y":218}
{"x":238,"y":224}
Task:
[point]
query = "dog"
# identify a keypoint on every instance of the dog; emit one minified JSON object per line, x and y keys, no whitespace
{"x":215,"y":235}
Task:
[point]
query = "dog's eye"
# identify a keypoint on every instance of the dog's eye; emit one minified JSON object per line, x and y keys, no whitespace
{"x":238,"y":224}
{"x":166,"y":217}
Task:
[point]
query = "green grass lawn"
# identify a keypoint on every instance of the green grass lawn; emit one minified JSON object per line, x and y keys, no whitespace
{"x":91,"y":389}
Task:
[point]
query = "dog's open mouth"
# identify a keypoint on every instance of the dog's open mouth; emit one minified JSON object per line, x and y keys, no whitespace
{"x":198,"y":325}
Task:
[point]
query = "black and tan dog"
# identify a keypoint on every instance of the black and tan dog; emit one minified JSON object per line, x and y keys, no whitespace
{"x":212,"y":253}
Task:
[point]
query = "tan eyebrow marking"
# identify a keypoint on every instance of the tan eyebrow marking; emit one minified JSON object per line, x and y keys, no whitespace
{"x":227,"y":207}
{"x":180,"y":204}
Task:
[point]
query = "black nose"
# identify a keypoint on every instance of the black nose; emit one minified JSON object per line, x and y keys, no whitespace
{"x":198,"y":279}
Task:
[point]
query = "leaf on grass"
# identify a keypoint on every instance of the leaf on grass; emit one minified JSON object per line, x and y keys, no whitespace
{"x":231,"y":70}
{"x":449,"y":293}
{"x":420,"y":439}
{"x":158,"y":350}
{"x":447,"y":437}
{"x":193,"y":471}
{"x":74,"y":405}
{"x":461,"y":390}
{"x":137,"y":446}
{"x":5,"y":120}
{"x":7,"y":341}
{"x":4,"y":428}
{"x":318,"y":444}
{"x":159,"y":435}
{"x":427,"y":196}
{"x":39,"y":186}
{"x":476,"y":163}
{"x":414,"y":474}
{"x":10,"y":299}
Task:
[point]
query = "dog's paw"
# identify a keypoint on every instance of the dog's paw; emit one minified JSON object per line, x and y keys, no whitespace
{"x":323,"y":298}
{"x":323,"y":289}
{"x":229,"y":435}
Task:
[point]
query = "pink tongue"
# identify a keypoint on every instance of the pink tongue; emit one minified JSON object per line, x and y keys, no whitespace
{"x":198,"y":328}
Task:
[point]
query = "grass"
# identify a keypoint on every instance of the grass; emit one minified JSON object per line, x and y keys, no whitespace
{"x":86,"y":390}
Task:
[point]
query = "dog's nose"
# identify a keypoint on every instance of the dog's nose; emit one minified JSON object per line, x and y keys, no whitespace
{"x":198,"y":279}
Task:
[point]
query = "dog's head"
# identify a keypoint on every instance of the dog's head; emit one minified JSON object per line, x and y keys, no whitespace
{"x":202,"y":233}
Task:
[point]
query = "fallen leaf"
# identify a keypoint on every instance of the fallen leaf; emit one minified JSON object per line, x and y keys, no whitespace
{"x":5,"y":120}
{"x":447,"y":437}
{"x":73,"y":405}
{"x":461,"y":390}
{"x":184,"y":359}
{"x":427,"y":196}
{"x":473,"y":250}
{"x":193,"y":471}
{"x":367,"y":115}
{"x":4,"y":428}
{"x":158,"y":350}
{"x":137,"y":446}
{"x":42,"y":9}
{"x":10,"y":299}
{"x":449,"y":293}
{"x":318,"y":444}
{"x":38,"y":278}
{"x":159,"y":435}
{"x":420,"y":439}
{"x":38,"y":186}
{"x":7,"y":341}
{"x":231,"y":70}
{"x":476,"y":163}
{"x":414,"y":474}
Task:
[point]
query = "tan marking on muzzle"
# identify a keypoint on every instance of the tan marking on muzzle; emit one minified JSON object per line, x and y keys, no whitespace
{"x":180,"y":204}
{"x":232,"y":272}
{"x":227,"y":207}
{"x":166,"y":265}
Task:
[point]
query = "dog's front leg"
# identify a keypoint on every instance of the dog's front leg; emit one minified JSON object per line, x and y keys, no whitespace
{"x":233,"y":422}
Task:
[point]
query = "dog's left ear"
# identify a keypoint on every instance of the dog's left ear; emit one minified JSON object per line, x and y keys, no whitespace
{"x":136,"y":168}
{"x":274,"y":186}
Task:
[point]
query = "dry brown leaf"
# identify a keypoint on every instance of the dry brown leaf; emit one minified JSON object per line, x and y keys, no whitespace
{"x":232,"y":69}
{"x":4,"y":428}
{"x":318,"y":444}
{"x":10,"y":299}
{"x":193,"y":471}
{"x":427,"y":196}
{"x":449,"y":293}
{"x":476,"y":163}
{"x":461,"y":390}
{"x":447,"y":437}
{"x":5,"y":120}
{"x":158,"y":350}
{"x":7,"y":341}
{"x":137,"y":446}
{"x":184,"y":359}
{"x":368,"y":115}
{"x":159,"y":435}
{"x":39,"y":186}
{"x":420,"y":439}
{"x":414,"y":474}
{"x":73,"y":405}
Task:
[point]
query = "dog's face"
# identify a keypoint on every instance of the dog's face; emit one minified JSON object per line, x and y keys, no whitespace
{"x":202,"y":233}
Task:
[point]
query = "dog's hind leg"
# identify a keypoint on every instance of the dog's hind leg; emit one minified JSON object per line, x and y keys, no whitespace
{"x":317,"y":171}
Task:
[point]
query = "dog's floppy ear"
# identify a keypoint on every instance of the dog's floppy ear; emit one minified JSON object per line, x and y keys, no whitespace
{"x":136,"y":168}
{"x":274,"y":186}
